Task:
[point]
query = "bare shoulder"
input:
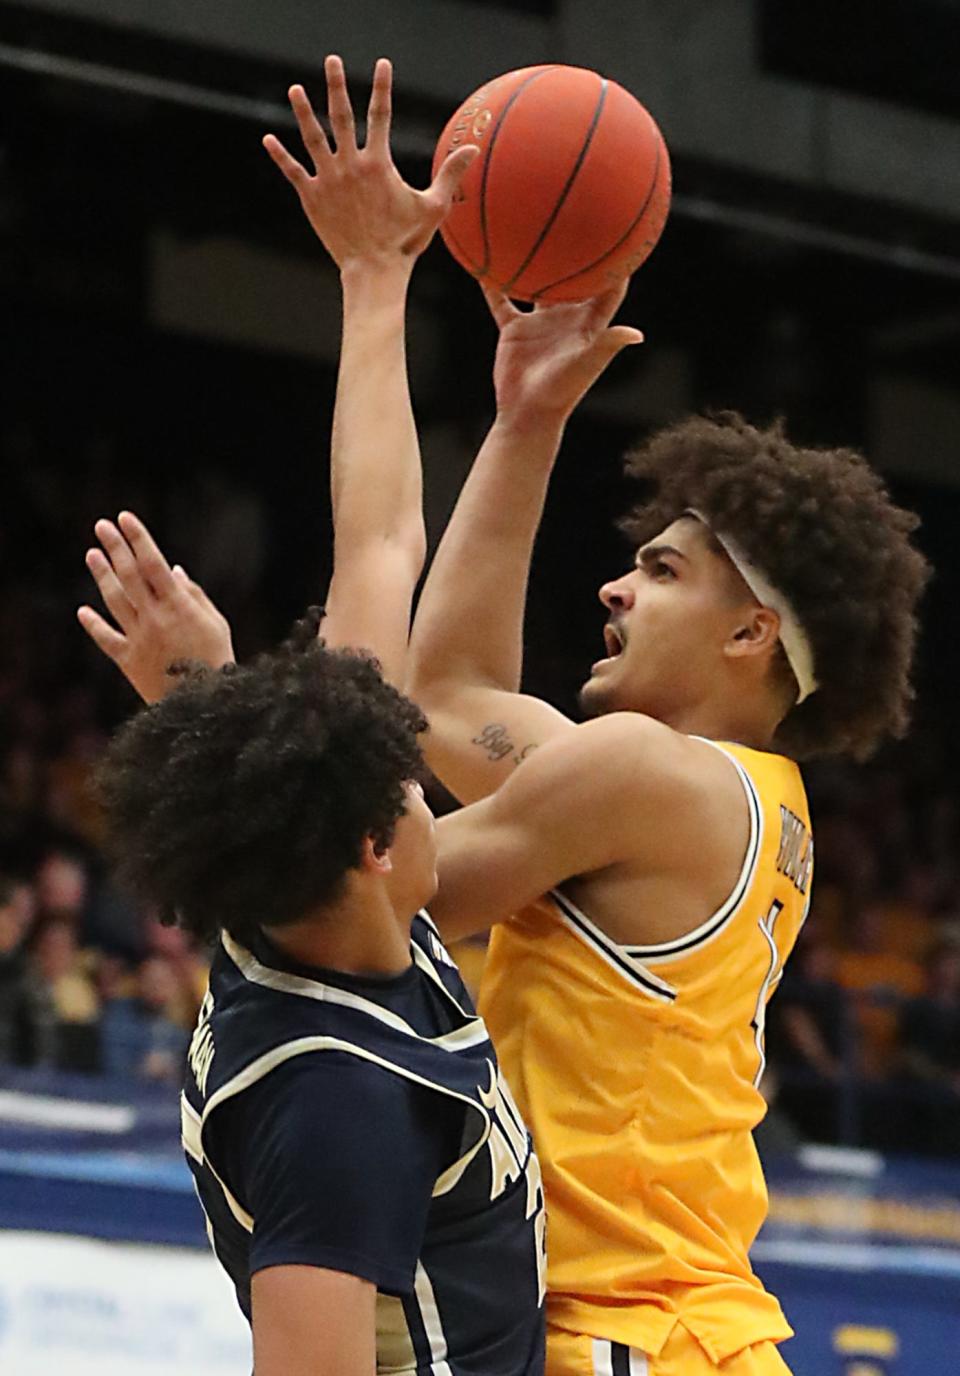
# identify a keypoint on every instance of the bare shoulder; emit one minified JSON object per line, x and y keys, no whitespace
{"x":642,"y":754}
{"x":634,"y":817}
{"x":632,"y":778}
{"x":675,"y":820}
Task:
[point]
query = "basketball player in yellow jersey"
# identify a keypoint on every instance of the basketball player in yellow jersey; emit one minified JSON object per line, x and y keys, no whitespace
{"x":648,"y":871}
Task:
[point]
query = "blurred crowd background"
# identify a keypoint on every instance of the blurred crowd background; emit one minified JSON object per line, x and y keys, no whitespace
{"x":864,"y":1033}
{"x":169,"y":345}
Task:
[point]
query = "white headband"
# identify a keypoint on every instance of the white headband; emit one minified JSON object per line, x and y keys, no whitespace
{"x":793,"y":638}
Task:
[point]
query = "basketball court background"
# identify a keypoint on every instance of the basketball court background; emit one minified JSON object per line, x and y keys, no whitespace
{"x":105,"y":1267}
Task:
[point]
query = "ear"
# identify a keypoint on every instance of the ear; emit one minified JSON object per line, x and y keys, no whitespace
{"x":754,"y":633}
{"x":373,"y":861}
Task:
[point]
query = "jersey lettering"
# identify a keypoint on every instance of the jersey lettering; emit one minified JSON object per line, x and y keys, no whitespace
{"x":440,"y":952}
{"x":536,"y":1202}
{"x":795,"y":859}
{"x":201,"y":1050}
{"x":510,"y":1157}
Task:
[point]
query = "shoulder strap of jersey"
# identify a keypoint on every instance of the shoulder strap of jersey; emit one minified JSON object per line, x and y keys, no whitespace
{"x":717,"y":921}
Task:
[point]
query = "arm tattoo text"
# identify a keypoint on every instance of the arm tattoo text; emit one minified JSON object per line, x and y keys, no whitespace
{"x":495,"y":740}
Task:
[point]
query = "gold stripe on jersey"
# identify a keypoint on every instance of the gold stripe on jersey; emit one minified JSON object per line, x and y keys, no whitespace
{"x":636,"y":1068}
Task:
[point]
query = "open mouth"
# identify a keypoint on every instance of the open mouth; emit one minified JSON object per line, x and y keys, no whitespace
{"x":614,"y":644}
{"x":612,"y":640}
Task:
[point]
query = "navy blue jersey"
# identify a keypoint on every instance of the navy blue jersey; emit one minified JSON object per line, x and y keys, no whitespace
{"x":362,"y":1125}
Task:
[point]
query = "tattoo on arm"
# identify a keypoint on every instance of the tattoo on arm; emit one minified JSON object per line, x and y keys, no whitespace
{"x":495,"y":740}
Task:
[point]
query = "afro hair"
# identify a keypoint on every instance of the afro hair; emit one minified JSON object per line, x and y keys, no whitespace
{"x":823,"y":528}
{"x":243,"y":798}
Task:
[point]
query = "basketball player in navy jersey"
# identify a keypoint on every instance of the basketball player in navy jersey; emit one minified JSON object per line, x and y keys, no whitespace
{"x":368,"y":1183}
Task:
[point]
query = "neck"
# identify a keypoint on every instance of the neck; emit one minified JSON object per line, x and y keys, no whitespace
{"x":359,"y":934}
{"x":741,"y":724}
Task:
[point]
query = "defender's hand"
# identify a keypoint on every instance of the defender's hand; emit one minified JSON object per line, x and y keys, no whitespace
{"x":549,"y":358}
{"x":163,"y":616}
{"x":360,"y":207}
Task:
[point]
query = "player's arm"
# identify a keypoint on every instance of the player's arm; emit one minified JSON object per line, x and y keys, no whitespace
{"x":467,"y":642}
{"x":340,"y":1209}
{"x":307,"y":1319}
{"x":620,"y":789}
{"x":374,"y":226}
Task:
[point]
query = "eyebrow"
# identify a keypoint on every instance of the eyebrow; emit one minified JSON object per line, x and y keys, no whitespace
{"x":650,"y":554}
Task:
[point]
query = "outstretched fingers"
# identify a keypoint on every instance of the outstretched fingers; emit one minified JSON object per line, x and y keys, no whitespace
{"x":121,"y":556}
{"x":622,"y":336}
{"x":379,"y":109}
{"x":184,"y":581}
{"x":311,"y":132}
{"x":296,"y":175}
{"x":604,"y":307}
{"x":149,"y":559}
{"x":450,"y":174}
{"x":115,"y":599}
{"x":103,"y":635}
{"x":610,"y":340}
{"x":339,"y":108}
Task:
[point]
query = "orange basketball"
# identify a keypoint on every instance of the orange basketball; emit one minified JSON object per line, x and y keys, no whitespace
{"x":571,"y":189}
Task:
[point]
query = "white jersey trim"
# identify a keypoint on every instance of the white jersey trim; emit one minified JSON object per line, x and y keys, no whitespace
{"x":602,"y":1354}
{"x":300,"y":1046}
{"x":428,"y":921}
{"x":617,"y":957}
{"x":432,"y":1323}
{"x":717,"y":921}
{"x":191,"y":1135}
{"x":615,"y":1359}
{"x":473,"y":1033}
{"x":190,"y":1130}
{"x":427,"y":966}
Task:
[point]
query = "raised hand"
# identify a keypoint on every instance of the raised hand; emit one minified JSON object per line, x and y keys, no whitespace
{"x":357,"y":202}
{"x":549,"y":358}
{"x":162,"y":615}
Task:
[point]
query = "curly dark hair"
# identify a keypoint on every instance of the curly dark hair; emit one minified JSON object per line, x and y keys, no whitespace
{"x":244,"y":797}
{"x":823,"y":528}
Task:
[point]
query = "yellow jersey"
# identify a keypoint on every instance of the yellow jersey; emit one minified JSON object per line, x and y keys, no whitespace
{"x":637,"y":1070}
